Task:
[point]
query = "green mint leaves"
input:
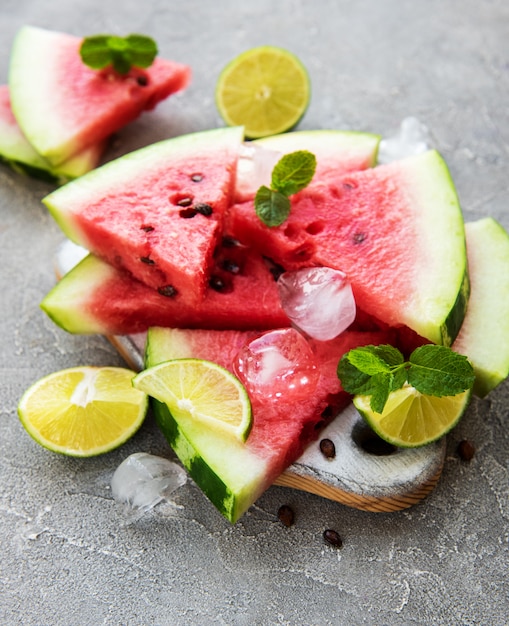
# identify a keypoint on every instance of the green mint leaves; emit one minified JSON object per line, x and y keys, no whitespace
{"x":99,"y":51}
{"x":377,"y":370}
{"x":292,"y":173}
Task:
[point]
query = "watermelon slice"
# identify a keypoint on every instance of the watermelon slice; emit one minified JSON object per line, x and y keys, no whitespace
{"x":484,"y":335}
{"x":18,"y":153}
{"x":156,"y":212}
{"x":233,"y":474}
{"x":337,"y":152}
{"x":62,"y":106}
{"x":95,"y":297}
{"x":396,"y":230}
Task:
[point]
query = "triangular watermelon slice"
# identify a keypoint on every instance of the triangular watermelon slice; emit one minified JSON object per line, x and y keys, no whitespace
{"x":95,"y":297}
{"x":156,"y":212}
{"x":17,"y":151}
{"x":396,"y":230}
{"x":234,"y":474}
{"x":62,"y":106}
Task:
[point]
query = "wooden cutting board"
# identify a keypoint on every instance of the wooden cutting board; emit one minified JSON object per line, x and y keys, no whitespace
{"x":365,"y":473}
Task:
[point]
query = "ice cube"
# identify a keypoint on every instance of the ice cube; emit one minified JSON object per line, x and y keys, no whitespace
{"x":412,"y":138}
{"x":318,"y":300}
{"x":278,"y":364}
{"x":254,"y":168}
{"x":144,"y":480}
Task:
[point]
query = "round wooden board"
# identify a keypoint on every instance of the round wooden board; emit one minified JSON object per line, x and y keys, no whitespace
{"x":363,"y":474}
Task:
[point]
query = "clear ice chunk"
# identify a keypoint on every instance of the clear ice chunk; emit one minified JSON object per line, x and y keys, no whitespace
{"x":144,"y":480}
{"x":412,"y":138}
{"x":318,"y":300}
{"x":254,"y":168}
{"x":278,"y":364}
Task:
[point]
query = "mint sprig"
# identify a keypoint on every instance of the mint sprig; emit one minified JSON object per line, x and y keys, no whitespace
{"x":292,"y":173}
{"x":377,"y":370}
{"x":100,"y":51}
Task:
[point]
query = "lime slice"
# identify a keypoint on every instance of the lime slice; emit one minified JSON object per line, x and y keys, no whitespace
{"x":83,"y":411}
{"x":411,"y":419}
{"x":202,"y":390}
{"x":264,"y":89}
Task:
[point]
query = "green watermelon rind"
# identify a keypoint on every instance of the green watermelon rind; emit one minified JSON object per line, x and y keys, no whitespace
{"x":111,"y":176}
{"x":484,"y":335}
{"x":358,"y":143}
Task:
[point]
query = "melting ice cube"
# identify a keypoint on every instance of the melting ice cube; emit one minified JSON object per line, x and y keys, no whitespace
{"x":318,"y":300}
{"x":412,"y":138}
{"x":143,"y":480}
{"x":278,"y":364}
{"x":254,"y":168}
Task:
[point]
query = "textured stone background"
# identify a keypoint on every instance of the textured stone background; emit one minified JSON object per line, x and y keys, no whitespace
{"x":67,"y":558}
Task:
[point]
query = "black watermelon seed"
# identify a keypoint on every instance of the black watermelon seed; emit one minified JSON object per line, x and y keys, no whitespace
{"x":187,"y":213}
{"x":146,"y":228}
{"x":197,"y":178}
{"x":466,"y":450}
{"x":332,"y":538}
{"x":230,"y":266}
{"x":168,"y":291}
{"x":359,"y":238}
{"x":187,"y":201}
{"x":203,"y":209}
{"x":217,"y":283}
{"x":286,"y":515}
{"x":327,"y":448}
{"x":230,"y":242}
{"x":142,"y":81}
{"x":147,"y":260}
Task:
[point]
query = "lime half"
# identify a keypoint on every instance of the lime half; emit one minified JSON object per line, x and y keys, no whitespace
{"x":202,"y":390}
{"x":411,"y":419}
{"x":264,"y":89}
{"x":83,"y":411}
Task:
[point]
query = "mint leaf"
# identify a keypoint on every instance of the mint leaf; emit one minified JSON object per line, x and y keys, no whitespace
{"x":439,"y":371}
{"x":382,"y":385}
{"x":293,"y":172}
{"x":99,"y":51}
{"x":272,"y":207}
{"x":375,"y":359}
{"x":95,"y":52}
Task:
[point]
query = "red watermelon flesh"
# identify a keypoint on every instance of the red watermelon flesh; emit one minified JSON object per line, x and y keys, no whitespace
{"x":156,"y":212}
{"x":64,"y":106}
{"x":281,"y":429}
{"x":95,"y":297}
{"x":397,"y":232}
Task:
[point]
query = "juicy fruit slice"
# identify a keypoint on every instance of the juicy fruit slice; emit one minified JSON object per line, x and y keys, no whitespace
{"x":63,"y":106}
{"x":201,"y":391}
{"x":337,"y":152}
{"x":19,"y":154}
{"x":95,"y":297}
{"x":83,"y":411}
{"x":411,"y":419}
{"x":156,"y":212}
{"x":484,"y":335}
{"x":264,"y":89}
{"x":396,"y":230}
{"x":234,"y":474}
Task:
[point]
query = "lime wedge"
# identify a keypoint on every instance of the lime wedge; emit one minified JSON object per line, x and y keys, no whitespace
{"x":411,"y":419}
{"x":264,"y":89}
{"x":202,"y":390}
{"x":83,"y":411}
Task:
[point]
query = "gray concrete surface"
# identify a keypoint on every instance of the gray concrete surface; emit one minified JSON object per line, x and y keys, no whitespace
{"x":67,"y":556}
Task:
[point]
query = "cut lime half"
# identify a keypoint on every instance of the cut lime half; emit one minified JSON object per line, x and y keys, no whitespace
{"x":202,"y":390}
{"x":83,"y":411}
{"x":265,"y":89}
{"x":411,"y":419}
